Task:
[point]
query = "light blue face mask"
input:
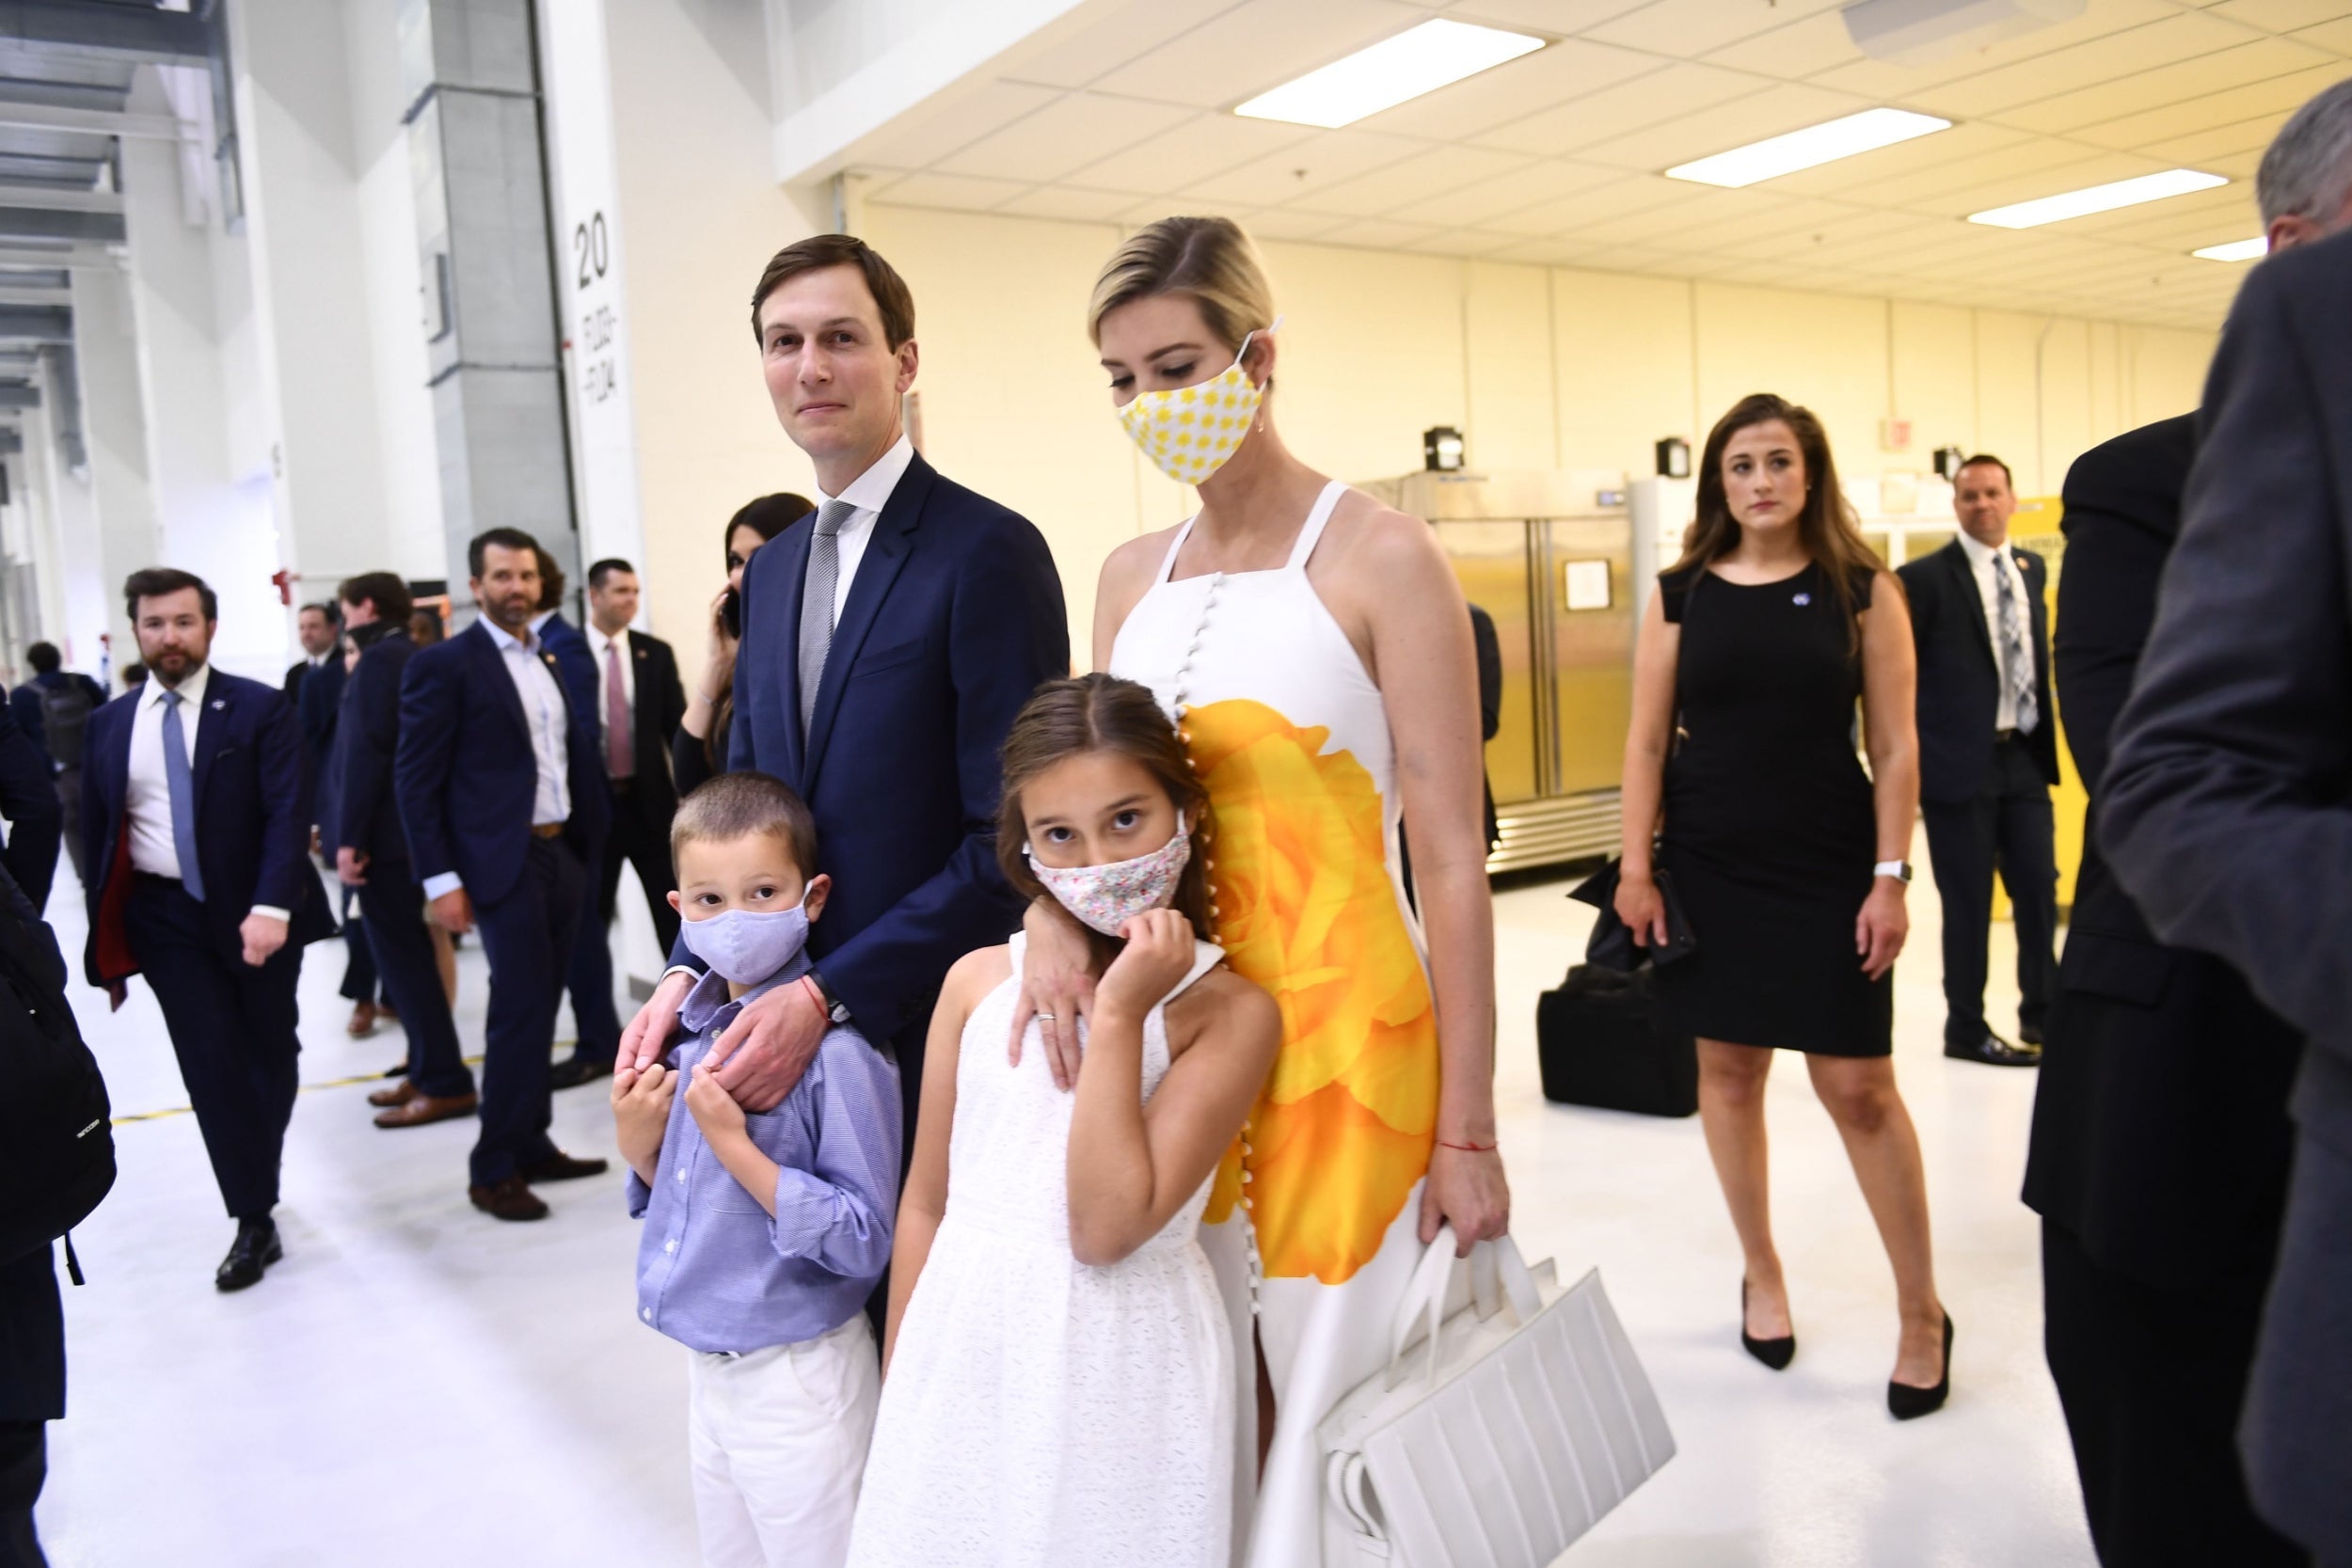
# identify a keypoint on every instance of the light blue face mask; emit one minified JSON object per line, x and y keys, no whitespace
{"x":747,"y":946}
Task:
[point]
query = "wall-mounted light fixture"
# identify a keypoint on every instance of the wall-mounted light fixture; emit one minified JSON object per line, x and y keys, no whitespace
{"x":1947,"y":461}
{"x":1674,"y":458}
{"x":1442,"y":449}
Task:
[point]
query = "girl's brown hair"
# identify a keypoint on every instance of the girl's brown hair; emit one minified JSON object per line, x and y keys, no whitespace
{"x":1827,"y":527}
{"x":1102,"y":713}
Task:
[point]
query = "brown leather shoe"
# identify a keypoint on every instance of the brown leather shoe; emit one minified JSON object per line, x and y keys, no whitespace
{"x":561,"y":1167}
{"x":362,"y":1023}
{"x":399,"y":1094}
{"x":419,"y":1110}
{"x":510,"y":1199}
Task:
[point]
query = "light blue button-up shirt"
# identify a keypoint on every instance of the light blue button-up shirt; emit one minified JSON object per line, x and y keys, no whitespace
{"x":714,"y":1271}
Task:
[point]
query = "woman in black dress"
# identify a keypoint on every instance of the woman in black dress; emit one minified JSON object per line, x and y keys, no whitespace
{"x":1787,"y":859}
{"x":699,"y":750}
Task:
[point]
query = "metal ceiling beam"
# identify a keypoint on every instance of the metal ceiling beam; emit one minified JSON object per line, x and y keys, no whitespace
{"x":35,"y":296}
{"x":35,"y":324}
{"x":43,"y":223}
{"x":19,"y":394}
{"x":65,"y":257}
{"x":55,"y":201}
{"x":12,"y":442}
{"x":88,"y":122}
{"x":133,"y":33}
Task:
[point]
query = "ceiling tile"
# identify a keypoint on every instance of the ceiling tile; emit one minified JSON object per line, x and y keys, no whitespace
{"x":1275,"y":223}
{"x":1261,"y":44}
{"x":2032,"y":169}
{"x":2155,"y":92}
{"x":1652,"y":223}
{"x":2197,"y":110}
{"x":1062,"y":137}
{"x":1209,"y":143}
{"x":1557,"y":18}
{"x":1634,"y":194}
{"x":2279,"y":16}
{"x":1787,"y":106}
{"x":1794,"y":50}
{"x":1418,"y":178}
{"x":2101,"y":18}
{"x":2183,"y":35}
{"x":1376,"y":234}
{"x":925,"y":135}
{"x":924,"y":188}
{"x":1625,"y":106}
{"x":1560,"y":73}
{"x":1547,"y":179}
{"x":2335,"y":36}
{"x":1688,"y":28}
{"x":2202,"y":148}
{"x":1100,"y":38}
{"x":1071,"y":205}
{"x":1324,"y":159}
{"x":1874,"y":176}
{"x":1462,"y":242}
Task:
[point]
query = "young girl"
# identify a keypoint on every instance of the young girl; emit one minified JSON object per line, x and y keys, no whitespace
{"x":1059,"y":1362}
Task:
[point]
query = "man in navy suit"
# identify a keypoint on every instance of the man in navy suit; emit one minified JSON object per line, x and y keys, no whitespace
{"x":888,"y":641}
{"x":315,"y":687}
{"x":196,"y":793}
{"x":499,"y":789}
{"x":363,"y":836}
{"x":1988,"y":755}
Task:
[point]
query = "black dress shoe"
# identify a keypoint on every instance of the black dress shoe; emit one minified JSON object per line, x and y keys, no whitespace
{"x":255,"y":1249}
{"x":1906,"y":1403}
{"x":581,"y":1067}
{"x":508,"y":1199}
{"x":1776,"y":1353}
{"x":2029,"y":1034}
{"x":1995,"y":1051}
{"x":561,"y":1167}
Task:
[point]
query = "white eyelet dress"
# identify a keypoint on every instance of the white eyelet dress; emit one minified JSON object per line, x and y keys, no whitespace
{"x":1314,"y":1220}
{"x":1041,"y":1411}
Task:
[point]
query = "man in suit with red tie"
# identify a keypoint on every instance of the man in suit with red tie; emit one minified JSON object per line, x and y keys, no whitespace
{"x":196,"y":793}
{"x":501,"y":827}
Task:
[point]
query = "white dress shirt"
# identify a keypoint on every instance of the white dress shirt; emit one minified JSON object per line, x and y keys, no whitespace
{"x":869,"y":493}
{"x":147,"y":795}
{"x":597,"y":645}
{"x":1985,"y":562}
{"x":545,"y":714}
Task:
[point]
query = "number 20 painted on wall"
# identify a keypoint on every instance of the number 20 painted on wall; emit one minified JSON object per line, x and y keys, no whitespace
{"x":591,"y":248}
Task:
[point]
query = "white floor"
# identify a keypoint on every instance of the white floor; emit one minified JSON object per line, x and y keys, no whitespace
{"x":418,"y":1383}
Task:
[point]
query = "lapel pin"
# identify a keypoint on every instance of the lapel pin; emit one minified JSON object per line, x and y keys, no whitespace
{"x":218,"y":705}
{"x":1801,"y":598}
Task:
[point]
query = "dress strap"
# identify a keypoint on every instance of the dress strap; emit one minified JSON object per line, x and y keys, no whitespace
{"x":1317,"y":520}
{"x":1168,"y":566}
{"x":1205,"y":957}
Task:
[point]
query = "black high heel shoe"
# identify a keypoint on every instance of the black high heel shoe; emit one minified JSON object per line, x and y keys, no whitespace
{"x":1776,"y":1353}
{"x":1908,"y":1403}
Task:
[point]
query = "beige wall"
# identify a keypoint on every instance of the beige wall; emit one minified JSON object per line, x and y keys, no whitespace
{"x":1542,"y":368}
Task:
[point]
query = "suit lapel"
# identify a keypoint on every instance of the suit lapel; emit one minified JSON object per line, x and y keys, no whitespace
{"x":1964,"y":573}
{"x":212,"y":734}
{"x":886,"y":556}
{"x":642,"y":716}
{"x":490,"y":670}
{"x":792,"y":581}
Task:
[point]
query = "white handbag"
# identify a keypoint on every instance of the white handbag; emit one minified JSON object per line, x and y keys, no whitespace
{"x":1528,"y":1420}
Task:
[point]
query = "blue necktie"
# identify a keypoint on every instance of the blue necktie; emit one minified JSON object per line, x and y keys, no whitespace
{"x":181,"y":785}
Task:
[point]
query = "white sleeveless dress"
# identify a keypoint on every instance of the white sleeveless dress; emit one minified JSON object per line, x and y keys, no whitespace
{"x":1039,"y":1410}
{"x":1313,"y":1221}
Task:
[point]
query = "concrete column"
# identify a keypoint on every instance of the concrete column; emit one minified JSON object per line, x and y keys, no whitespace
{"x":476,"y":159}
{"x":119,"y":490}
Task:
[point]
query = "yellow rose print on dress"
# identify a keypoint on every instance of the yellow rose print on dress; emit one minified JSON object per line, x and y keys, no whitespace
{"x":1306,"y":909}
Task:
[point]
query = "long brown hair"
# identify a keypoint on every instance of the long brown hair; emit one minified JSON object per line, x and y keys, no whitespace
{"x":1826,"y":526}
{"x":1102,"y":713}
{"x":766,"y":517}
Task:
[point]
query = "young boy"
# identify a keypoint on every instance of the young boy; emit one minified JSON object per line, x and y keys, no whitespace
{"x":764,"y":1235}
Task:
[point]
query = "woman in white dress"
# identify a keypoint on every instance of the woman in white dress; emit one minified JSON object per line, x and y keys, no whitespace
{"x":1316,"y":652}
{"x":1058,"y":1382}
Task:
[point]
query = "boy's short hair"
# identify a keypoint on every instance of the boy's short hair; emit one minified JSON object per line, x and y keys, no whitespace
{"x":737,"y":805}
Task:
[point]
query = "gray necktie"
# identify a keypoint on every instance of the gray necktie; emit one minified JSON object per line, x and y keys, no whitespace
{"x":2016,"y":654}
{"x":181,"y":786}
{"x":824,"y":575}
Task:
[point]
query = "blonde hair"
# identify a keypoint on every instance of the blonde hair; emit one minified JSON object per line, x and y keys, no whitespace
{"x":1209,"y":260}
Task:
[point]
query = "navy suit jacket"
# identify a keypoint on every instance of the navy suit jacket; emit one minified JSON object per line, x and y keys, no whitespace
{"x":1960,"y":680}
{"x":954,"y":618}
{"x":364,"y":814}
{"x":316,"y":698}
{"x":465,"y":774}
{"x":253,"y":783}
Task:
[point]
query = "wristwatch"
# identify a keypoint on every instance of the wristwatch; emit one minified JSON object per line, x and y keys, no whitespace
{"x":1900,"y":870}
{"x":836,"y":1009}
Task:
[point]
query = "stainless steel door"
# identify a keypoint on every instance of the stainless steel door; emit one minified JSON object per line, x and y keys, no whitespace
{"x":1588,"y":570}
{"x":1491,"y":561}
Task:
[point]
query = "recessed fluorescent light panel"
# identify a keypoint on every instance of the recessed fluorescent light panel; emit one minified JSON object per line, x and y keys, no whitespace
{"x":2237,"y":251}
{"x":1417,"y":60}
{"x":2098,"y":199}
{"x":1816,"y":144}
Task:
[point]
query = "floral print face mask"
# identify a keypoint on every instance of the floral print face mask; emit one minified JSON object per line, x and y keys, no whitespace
{"x":1109,"y":896}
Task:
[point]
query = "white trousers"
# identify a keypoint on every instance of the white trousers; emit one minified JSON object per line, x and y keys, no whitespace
{"x":777,"y":1439}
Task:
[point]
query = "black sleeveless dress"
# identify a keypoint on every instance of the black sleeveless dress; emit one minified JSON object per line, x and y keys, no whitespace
{"x":1770,"y":828}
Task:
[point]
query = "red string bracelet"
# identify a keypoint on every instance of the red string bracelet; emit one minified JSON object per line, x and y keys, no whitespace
{"x":817,"y":996}
{"x":1469,"y":1148}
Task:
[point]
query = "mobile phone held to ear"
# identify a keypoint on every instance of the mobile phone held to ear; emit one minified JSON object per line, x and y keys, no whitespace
{"x":731,"y":611}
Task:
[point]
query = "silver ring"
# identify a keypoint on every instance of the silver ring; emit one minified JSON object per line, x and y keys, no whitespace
{"x":1049,"y":1018}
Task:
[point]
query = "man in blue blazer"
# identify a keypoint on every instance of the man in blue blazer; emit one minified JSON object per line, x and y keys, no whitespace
{"x":888,"y":641}
{"x":362,"y":834}
{"x":504,"y":806}
{"x":196,"y":794}
{"x":1988,"y":755}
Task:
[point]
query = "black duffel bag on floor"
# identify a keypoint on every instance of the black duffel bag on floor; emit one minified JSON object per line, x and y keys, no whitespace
{"x":1600,"y":1041}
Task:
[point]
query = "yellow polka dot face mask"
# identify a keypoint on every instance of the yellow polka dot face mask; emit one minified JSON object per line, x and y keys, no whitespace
{"x":1191,"y":430}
